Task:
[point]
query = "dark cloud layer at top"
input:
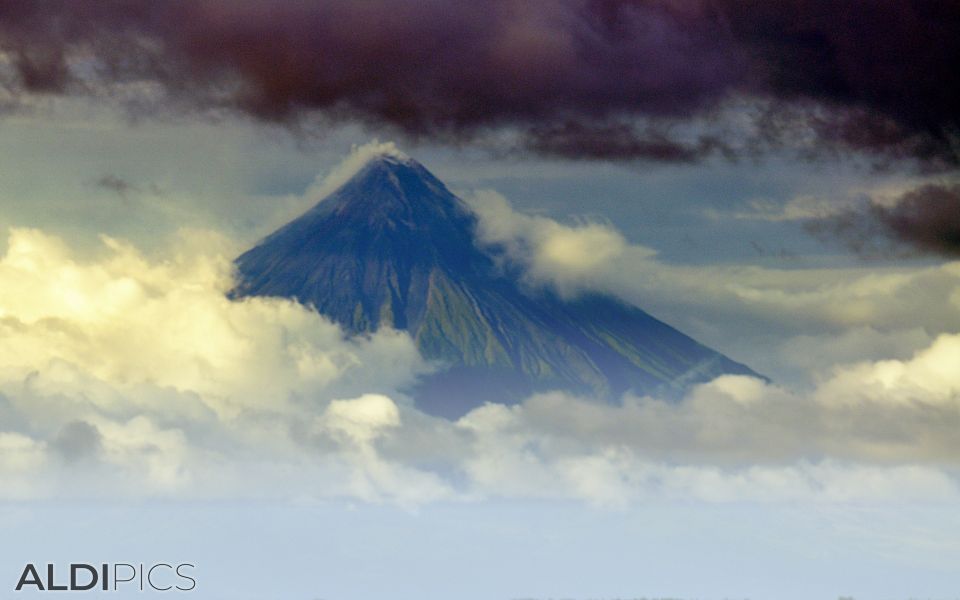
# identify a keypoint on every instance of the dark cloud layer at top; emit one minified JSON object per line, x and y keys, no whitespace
{"x":578,"y":78}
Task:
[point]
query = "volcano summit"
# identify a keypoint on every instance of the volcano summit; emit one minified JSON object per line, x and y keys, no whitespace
{"x":393,"y":247}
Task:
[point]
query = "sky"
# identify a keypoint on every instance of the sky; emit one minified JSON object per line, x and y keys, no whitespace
{"x":767,"y":178}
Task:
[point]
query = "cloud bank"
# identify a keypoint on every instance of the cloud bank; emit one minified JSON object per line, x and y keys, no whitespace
{"x":925,"y":220}
{"x":594,"y":255}
{"x":611,"y":79}
{"x":126,"y":377}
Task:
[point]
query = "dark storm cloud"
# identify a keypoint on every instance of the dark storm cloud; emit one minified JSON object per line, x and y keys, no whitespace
{"x":620,"y":141}
{"x":875,"y":76}
{"x":924,"y":220}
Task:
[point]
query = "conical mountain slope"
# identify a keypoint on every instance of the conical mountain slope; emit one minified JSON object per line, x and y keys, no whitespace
{"x":392,"y":247}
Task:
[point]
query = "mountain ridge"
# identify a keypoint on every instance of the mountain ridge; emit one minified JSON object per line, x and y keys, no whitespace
{"x":393,"y":247}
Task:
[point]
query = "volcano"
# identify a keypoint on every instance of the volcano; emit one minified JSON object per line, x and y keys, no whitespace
{"x":393,"y":247}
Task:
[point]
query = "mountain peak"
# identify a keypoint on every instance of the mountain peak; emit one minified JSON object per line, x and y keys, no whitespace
{"x":386,"y":161}
{"x":391,"y":246}
{"x":396,"y":192}
{"x":360,"y":159}
{"x":390,"y":156}
{"x":398,"y":172}
{"x":381,"y":150}
{"x":365,"y":254}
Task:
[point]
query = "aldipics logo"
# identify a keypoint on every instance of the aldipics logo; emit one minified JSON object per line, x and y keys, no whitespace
{"x":108,"y":577}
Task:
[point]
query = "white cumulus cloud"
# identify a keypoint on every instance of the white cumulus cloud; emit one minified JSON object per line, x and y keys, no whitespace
{"x":123,"y":376}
